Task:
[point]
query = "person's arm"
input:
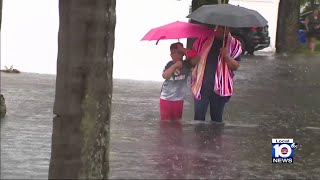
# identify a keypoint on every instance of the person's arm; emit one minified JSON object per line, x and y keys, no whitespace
{"x":232,"y":63}
{"x":168,"y":72}
{"x":190,"y":54}
{"x":306,"y":23}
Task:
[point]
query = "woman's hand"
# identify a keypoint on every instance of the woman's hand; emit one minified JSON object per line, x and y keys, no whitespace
{"x":233,"y":64}
{"x":224,"y":52}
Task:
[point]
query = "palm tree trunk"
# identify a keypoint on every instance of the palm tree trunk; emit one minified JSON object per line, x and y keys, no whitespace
{"x":312,"y":4}
{"x":3,"y":109}
{"x":0,"y":13}
{"x":287,"y":26}
{"x":82,"y":107}
{"x":195,"y":4}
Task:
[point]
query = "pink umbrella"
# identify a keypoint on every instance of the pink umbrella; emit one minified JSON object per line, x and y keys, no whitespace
{"x":178,"y":30}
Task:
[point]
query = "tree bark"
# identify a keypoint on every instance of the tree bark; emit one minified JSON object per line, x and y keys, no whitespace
{"x":82,"y":107}
{"x":195,"y":4}
{"x":0,"y":14}
{"x":312,"y":4}
{"x":3,"y":107}
{"x":287,"y":26}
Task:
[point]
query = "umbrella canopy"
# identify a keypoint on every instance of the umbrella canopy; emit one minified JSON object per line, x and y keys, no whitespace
{"x":228,"y":15}
{"x":178,"y":30}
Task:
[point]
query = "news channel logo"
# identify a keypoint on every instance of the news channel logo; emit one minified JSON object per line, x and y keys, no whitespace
{"x":283,"y":150}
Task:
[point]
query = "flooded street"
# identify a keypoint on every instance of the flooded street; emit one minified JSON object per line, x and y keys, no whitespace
{"x":275,"y":97}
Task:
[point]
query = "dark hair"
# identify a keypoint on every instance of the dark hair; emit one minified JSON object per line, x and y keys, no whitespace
{"x":175,"y":45}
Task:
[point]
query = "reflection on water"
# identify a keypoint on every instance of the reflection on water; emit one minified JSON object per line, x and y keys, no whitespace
{"x":189,"y":152}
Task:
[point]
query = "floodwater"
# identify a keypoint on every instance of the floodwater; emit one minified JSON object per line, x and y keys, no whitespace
{"x":275,"y":97}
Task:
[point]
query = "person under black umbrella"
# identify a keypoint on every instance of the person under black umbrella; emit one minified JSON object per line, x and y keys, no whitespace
{"x":212,"y":78}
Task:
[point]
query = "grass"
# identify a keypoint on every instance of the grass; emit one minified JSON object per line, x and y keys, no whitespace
{"x":303,"y":49}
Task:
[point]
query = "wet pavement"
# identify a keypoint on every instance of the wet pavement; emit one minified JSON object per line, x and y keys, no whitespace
{"x":275,"y":97}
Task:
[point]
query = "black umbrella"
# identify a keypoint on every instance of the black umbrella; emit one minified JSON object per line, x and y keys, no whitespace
{"x":228,"y":15}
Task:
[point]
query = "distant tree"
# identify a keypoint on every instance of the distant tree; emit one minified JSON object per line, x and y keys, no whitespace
{"x":287,"y":26}
{"x":3,"y":109}
{"x":198,"y":3}
{"x":195,"y":4}
{"x":308,"y":5}
{"x":0,"y":13}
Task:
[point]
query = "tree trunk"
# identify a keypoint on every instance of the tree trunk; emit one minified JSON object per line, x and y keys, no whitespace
{"x":195,"y":4}
{"x":287,"y":26}
{"x":313,"y":6}
{"x":3,"y":107}
{"x":82,"y":108}
{"x":0,"y":14}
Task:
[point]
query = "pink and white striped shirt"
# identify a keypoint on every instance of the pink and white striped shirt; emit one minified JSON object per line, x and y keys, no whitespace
{"x":223,"y":77}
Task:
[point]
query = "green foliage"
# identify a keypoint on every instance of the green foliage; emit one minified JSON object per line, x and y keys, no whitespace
{"x":303,"y":49}
{"x":10,"y":70}
{"x":306,"y":5}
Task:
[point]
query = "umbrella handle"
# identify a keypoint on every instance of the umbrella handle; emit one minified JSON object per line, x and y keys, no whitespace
{"x":162,"y":37}
{"x":224,"y":37}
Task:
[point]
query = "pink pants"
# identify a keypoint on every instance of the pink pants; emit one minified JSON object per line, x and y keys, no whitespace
{"x":171,"y":110}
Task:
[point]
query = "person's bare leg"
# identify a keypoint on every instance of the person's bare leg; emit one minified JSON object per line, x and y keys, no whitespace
{"x":308,"y":43}
{"x":312,"y":44}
